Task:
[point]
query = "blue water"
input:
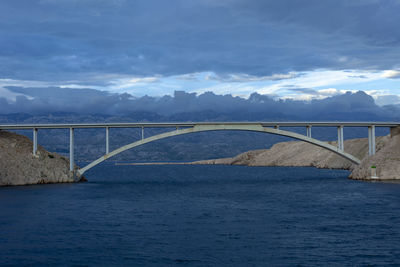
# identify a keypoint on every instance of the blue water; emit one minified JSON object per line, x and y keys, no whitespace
{"x":202,"y":216}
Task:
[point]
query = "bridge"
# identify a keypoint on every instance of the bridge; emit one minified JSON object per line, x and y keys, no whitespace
{"x":194,"y":127}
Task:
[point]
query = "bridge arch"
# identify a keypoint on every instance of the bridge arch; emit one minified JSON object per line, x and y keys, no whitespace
{"x":218,"y":127}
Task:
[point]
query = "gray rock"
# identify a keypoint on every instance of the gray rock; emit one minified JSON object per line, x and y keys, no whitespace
{"x":18,"y":166}
{"x":297,"y":153}
{"x":386,"y":160}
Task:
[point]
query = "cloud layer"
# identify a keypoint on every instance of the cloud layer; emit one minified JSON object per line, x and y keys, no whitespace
{"x":90,"y":41}
{"x":184,"y":106}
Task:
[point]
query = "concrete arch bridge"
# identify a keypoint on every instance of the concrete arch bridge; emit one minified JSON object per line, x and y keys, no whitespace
{"x":187,"y":128}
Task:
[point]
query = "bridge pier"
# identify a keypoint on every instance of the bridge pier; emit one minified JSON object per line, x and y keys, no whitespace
{"x":107,"y":140}
{"x":142,"y":133}
{"x":371,"y":140}
{"x":34,"y":141}
{"x":71,"y":149}
{"x":308,"y":131}
{"x":340,"y":138}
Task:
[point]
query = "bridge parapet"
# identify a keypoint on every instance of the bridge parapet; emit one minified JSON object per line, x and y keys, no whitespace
{"x":227,"y":126}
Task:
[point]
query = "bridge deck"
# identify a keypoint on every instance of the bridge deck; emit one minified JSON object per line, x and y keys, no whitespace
{"x":191,"y":124}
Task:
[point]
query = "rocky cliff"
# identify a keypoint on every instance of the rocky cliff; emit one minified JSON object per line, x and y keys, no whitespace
{"x":18,"y":166}
{"x":386,"y":160}
{"x":297,"y":153}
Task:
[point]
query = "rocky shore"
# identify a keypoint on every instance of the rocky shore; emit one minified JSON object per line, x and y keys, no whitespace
{"x":18,"y":166}
{"x":297,"y":153}
{"x":386,"y":159}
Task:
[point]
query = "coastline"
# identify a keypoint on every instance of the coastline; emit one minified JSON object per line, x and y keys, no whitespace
{"x":150,"y":163}
{"x":302,"y":154}
{"x":18,"y":166}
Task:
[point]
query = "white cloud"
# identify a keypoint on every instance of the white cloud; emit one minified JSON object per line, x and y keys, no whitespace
{"x":23,"y":83}
{"x":310,"y":94}
{"x":127,"y":83}
{"x":11,"y":96}
{"x":303,"y":86}
{"x":302,"y":97}
{"x":324,"y":80}
{"x":391,"y":74}
{"x":329,"y":92}
{"x":143,"y":80}
{"x":242,"y":77}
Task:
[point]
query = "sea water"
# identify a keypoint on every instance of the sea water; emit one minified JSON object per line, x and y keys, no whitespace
{"x":173,"y":215}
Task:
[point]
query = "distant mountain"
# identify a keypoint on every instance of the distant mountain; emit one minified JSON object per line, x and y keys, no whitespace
{"x":190,"y":106}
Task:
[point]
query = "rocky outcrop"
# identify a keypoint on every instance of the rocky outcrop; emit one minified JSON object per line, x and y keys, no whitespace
{"x":18,"y":166}
{"x":297,"y":153}
{"x":386,"y":160}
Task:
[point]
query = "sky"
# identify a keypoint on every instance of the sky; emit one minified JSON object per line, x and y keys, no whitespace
{"x":299,"y":49}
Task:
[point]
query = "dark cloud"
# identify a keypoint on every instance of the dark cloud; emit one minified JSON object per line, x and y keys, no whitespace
{"x":76,"y":40}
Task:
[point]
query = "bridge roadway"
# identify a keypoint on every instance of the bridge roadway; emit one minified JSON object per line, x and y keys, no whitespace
{"x":192,"y":127}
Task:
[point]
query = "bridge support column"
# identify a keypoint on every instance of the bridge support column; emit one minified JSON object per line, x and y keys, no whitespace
{"x":71,"y":149}
{"x":142,"y":133}
{"x":371,"y":140}
{"x":34,"y":139}
{"x":107,"y":140}
{"x":340,"y":138}
{"x":309,"y":131}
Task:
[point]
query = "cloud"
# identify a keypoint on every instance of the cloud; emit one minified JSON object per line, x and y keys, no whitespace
{"x":317,"y":84}
{"x":50,"y":40}
{"x":392,"y":74}
{"x":125,"y":83}
{"x":241,"y":77}
{"x":330,"y":92}
{"x":83,"y":3}
{"x":323,"y":82}
{"x":383,"y":100}
{"x":308,"y":91}
{"x":308,"y":94}
{"x":358,"y":76}
{"x":10,"y":95}
{"x":188,"y":106}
